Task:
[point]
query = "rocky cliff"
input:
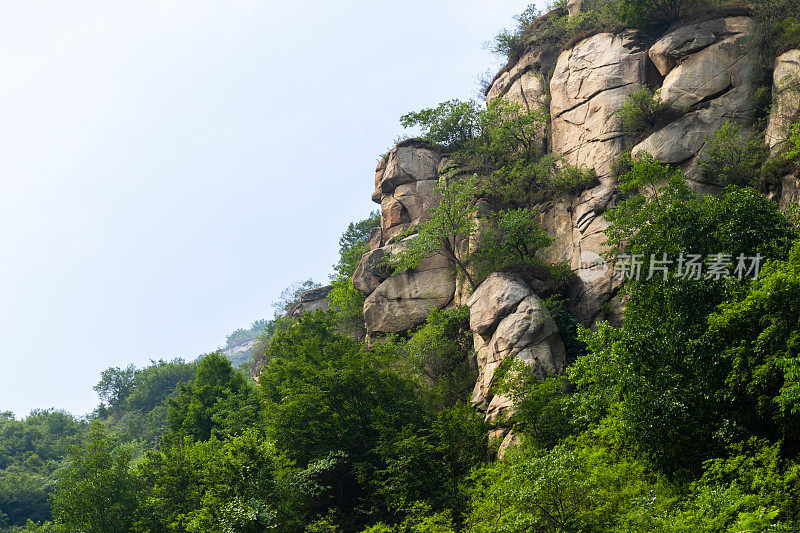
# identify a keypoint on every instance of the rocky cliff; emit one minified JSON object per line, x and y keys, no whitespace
{"x":707,"y":71}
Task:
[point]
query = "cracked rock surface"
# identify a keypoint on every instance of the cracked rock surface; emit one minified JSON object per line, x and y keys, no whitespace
{"x":509,"y":320}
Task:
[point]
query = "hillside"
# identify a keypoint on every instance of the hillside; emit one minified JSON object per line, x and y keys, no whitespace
{"x":578,"y":309}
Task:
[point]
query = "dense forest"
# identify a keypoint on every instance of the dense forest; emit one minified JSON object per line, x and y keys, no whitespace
{"x":685,"y":417}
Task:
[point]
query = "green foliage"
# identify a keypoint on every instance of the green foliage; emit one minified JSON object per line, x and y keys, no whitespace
{"x":581,"y":485}
{"x":353,"y":244}
{"x":290,"y":296}
{"x":438,"y":356}
{"x":449,"y":222}
{"x":452,"y":124}
{"x":509,"y":238}
{"x":734,"y":157}
{"x":242,"y":335}
{"x":648,"y":15}
{"x":115,"y":385}
{"x":792,"y":154}
{"x":540,"y":405}
{"x":344,"y":298}
{"x":96,"y":493}
{"x":644,"y":112}
{"x":220,"y":401}
{"x":657,"y":371}
{"x":31,"y":451}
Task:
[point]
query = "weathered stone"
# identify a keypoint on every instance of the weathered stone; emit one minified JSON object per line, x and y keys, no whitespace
{"x":785,"y":100}
{"x":523,"y":329}
{"x":574,"y":7}
{"x":406,"y":163}
{"x":406,"y":299}
{"x":590,"y":83}
{"x":371,"y":271}
{"x":714,"y":57}
{"x":524,"y":83}
{"x":686,"y":40}
{"x":710,"y":71}
{"x":313,"y":300}
{"x":375,"y":238}
{"x":493,"y":299}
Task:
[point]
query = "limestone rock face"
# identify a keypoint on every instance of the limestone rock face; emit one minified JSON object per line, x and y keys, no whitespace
{"x":710,"y":71}
{"x":590,"y":83}
{"x":311,"y":301}
{"x":786,"y":99}
{"x":509,"y":320}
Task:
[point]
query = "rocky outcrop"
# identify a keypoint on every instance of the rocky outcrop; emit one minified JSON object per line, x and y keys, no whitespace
{"x":524,"y":83}
{"x":405,"y":300}
{"x":313,"y":300}
{"x":590,"y":83}
{"x":785,"y":112}
{"x":710,"y":73}
{"x":405,"y":183}
{"x":785,"y":99}
{"x":510,"y":321}
{"x":404,"y":187}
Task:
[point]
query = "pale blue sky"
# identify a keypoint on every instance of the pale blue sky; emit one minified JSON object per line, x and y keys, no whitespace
{"x":166,"y":167}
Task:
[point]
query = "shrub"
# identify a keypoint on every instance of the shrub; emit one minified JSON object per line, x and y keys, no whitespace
{"x":734,"y":157}
{"x":644,"y":112}
{"x":509,"y":237}
{"x":452,"y":124}
{"x":647,"y":15}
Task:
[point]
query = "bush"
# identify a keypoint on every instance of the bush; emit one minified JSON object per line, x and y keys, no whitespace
{"x":452,"y":124}
{"x":644,"y":112}
{"x":734,"y":156}
{"x":508,"y":238}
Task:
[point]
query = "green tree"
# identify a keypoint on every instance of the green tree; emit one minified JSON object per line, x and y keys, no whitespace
{"x":115,"y":384}
{"x":450,"y":224}
{"x":220,"y":401}
{"x":97,"y":492}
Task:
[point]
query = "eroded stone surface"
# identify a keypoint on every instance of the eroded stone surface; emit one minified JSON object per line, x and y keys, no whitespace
{"x":405,"y":300}
{"x":785,"y":99}
{"x":590,"y":83}
{"x":313,"y":300}
{"x":523,"y":330}
{"x":710,"y":71}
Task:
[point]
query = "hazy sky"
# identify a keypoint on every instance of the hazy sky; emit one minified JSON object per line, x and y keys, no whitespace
{"x":166,"y":167}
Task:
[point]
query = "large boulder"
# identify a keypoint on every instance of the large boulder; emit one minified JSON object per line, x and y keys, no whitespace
{"x":509,"y":320}
{"x":313,"y":300}
{"x":785,"y":99}
{"x":590,"y":83}
{"x":523,"y":83}
{"x":405,"y":180}
{"x":405,"y":300}
{"x":710,"y":71}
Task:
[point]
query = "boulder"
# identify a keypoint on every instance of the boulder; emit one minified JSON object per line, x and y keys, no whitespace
{"x":710,"y":72}
{"x":493,"y":299}
{"x":523,"y":83}
{"x":590,"y":83}
{"x":405,"y":300}
{"x":405,"y":182}
{"x":408,"y":162}
{"x":785,"y":99}
{"x":509,"y":320}
{"x":371,"y":271}
{"x":313,"y":300}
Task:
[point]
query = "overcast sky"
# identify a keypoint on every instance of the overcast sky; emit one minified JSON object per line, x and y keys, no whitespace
{"x":167,"y":168}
